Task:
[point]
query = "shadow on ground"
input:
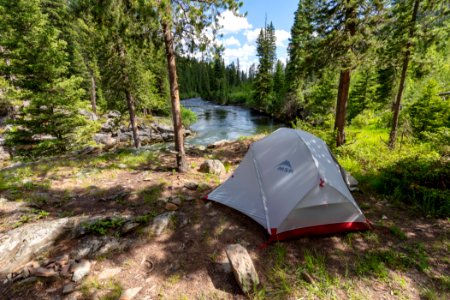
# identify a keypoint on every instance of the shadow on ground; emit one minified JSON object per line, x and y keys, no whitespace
{"x":188,"y":259}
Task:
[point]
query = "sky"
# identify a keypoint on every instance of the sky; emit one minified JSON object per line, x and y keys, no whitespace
{"x":240,"y":33}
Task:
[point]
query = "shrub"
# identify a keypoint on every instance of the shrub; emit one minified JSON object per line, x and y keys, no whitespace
{"x":188,"y":116}
{"x":430,"y":113}
{"x":419,"y":182}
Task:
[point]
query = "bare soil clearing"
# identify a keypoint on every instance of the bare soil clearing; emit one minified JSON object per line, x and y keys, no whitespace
{"x":404,"y":257}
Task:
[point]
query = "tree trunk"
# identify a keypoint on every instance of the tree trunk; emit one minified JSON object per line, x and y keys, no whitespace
{"x":130,"y":98}
{"x":174,"y":97}
{"x":344,"y":80}
{"x":93,"y":93}
{"x":341,"y":106}
{"x":398,"y":100}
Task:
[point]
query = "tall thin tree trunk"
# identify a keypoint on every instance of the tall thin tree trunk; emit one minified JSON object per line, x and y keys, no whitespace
{"x":132,"y":112}
{"x":174,"y":96}
{"x":129,"y":96}
{"x":398,"y":100}
{"x":93,"y":93}
{"x":341,"y":106}
{"x":344,"y":81}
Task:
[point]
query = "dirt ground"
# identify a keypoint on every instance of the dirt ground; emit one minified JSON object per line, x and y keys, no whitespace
{"x":405,"y":257}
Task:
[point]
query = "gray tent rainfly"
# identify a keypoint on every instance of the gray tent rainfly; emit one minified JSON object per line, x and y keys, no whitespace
{"x":290,"y":183}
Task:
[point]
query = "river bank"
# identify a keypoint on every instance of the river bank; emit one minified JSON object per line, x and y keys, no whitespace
{"x":226,"y":122}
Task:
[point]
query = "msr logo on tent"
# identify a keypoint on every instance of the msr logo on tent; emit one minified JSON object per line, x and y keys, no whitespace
{"x":285,"y":167}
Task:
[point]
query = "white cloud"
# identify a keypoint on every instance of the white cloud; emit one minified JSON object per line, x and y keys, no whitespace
{"x":252,"y":35}
{"x":246,"y":55}
{"x":232,"y":24}
{"x":232,"y":41}
{"x":282,"y":36}
{"x":282,"y":58}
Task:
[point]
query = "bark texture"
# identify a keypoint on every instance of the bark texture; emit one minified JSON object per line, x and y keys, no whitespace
{"x":341,"y":107}
{"x":174,"y":97}
{"x":344,"y":80}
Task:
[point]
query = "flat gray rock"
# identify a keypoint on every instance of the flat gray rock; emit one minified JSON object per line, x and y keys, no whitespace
{"x":243,"y":269}
{"x":80,"y":270}
{"x":68,"y":288}
{"x":130,"y":293}
{"x":20,"y":245}
{"x":128,"y":227}
{"x":161,"y":222}
{"x":108,"y":273}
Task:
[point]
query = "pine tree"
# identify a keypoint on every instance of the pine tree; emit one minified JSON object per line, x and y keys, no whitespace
{"x":429,"y":20}
{"x":362,"y":92}
{"x":39,"y":64}
{"x":196,"y":16}
{"x":266,"y":51}
{"x":279,"y":85}
{"x":332,"y":33}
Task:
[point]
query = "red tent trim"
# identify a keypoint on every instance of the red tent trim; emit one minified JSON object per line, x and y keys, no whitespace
{"x":317,"y":230}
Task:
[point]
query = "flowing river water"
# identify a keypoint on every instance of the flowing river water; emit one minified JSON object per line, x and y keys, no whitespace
{"x":225,"y":122}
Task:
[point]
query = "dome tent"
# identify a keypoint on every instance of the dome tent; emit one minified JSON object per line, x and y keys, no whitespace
{"x":290,"y":183}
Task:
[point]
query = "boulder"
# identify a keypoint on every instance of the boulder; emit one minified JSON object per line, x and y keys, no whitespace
{"x":156,"y":137}
{"x":68,"y":288}
{"x":124,"y":136}
{"x":191,"y":186}
{"x":4,"y":154}
{"x":128,"y":227}
{"x":88,"y":247}
{"x":92,"y":246}
{"x":243,"y":269}
{"x":129,"y":294}
{"x":213,"y":166}
{"x":109,"y":126}
{"x":80,"y":270}
{"x":43,"y":272}
{"x":218,"y":144}
{"x":19,"y":245}
{"x":113,"y":114}
{"x":163,"y":128}
{"x":161,"y":222}
{"x":88,"y":114}
{"x":176,"y":200}
{"x":105,"y":139}
{"x":167,"y":136}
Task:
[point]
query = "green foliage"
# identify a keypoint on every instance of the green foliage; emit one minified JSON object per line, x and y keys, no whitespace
{"x":213,"y":80}
{"x":264,"y":97}
{"x":419,"y":182}
{"x":315,"y":265}
{"x":5,"y":102}
{"x":362,"y":93}
{"x":32,"y":215}
{"x":414,"y":174}
{"x":378,"y":262}
{"x":152,"y":194}
{"x":324,"y":130}
{"x":395,"y":230}
{"x":102,"y":227}
{"x":430,"y":113}
{"x":46,"y":123}
{"x":188,"y":116}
